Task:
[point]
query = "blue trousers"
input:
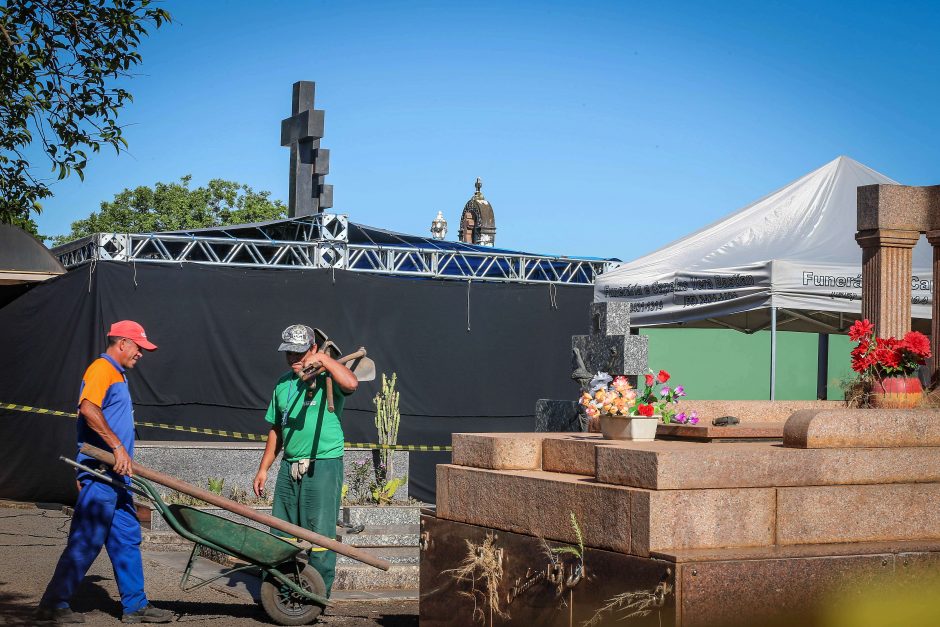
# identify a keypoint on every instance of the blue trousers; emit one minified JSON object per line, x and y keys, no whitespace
{"x":104,"y":516}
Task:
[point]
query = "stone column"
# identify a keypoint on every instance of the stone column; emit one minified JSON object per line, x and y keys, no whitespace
{"x":934,"y":238}
{"x":887,"y":256}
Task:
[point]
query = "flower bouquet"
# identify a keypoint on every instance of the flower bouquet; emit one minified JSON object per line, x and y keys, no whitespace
{"x":664,"y":401}
{"x":887,"y":367}
{"x":627,"y":414}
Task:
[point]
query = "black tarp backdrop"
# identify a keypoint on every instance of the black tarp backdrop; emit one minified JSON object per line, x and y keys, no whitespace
{"x":218,"y":329}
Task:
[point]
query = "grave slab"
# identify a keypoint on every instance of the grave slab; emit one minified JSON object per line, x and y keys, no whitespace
{"x":858,"y":513}
{"x":677,"y":465}
{"x":711,"y":433}
{"x":572,"y":453}
{"x":752,"y":411}
{"x":617,"y":518}
{"x":536,"y":503}
{"x":863,"y":428}
{"x":498,"y":451}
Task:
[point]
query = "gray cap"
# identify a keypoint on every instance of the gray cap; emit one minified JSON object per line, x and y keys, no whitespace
{"x":298,"y":338}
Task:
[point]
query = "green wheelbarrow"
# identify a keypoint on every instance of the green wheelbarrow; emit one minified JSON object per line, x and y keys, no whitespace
{"x":292,"y":592}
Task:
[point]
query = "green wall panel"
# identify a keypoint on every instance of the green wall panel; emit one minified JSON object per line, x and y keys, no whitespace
{"x":720,"y":364}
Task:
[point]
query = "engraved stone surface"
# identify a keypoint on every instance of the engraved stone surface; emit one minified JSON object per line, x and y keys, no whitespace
{"x":611,"y":318}
{"x":610,"y":348}
{"x":624,"y":354}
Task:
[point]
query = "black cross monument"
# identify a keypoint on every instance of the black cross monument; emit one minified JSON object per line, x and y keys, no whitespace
{"x":309,"y":164}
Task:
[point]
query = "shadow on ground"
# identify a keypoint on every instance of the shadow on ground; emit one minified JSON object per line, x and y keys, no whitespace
{"x":15,"y":608}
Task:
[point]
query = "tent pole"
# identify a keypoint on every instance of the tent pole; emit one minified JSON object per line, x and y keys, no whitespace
{"x":773,"y":353}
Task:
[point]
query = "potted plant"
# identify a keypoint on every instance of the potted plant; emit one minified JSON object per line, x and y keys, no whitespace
{"x":626,"y":413}
{"x":887,"y":367}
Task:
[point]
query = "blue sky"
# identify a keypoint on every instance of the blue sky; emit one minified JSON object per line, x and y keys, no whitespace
{"x":598,"y":128}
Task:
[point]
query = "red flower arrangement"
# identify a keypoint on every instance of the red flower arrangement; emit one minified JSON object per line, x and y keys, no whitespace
{"x":879,"y":357}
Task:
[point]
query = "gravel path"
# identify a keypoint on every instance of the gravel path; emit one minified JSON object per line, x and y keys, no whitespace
{"x":32,"y":538}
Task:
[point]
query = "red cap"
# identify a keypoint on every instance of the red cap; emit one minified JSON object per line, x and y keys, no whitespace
{"x":132,"y":331}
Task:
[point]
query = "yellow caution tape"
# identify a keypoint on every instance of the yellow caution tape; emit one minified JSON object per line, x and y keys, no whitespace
{"x":397,"y":447}
{"x":38,"y":410}
{"x":228,"y":434}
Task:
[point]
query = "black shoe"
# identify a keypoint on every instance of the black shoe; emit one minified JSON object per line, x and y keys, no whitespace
{"x":148,"y":614}
{"x":58,"y":616}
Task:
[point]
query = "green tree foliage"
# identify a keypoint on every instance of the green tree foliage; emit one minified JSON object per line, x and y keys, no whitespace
{"x":62,"y":67}
{"x":175,"y":207}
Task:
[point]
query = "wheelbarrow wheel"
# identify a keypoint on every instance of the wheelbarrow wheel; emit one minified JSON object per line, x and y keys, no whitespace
{"x":286,"y":607}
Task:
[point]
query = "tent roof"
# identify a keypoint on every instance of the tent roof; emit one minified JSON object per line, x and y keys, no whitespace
{"x":23,"y":259}
{"x":811,"y":219}
{"x":808,"y":225}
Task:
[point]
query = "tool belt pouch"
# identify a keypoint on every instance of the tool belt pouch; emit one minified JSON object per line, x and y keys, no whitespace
{"x":299,"y":468}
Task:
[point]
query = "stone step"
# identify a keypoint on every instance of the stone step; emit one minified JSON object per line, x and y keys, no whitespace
{"x":382,"y":515}
{"x":163,"y":541}
{"x":639,"y":521}
{"x":616,"y":518}
{"x":386,"y":536}
{"x":395,"y":555}
{"x":689,"y":465}
{"x":363,"y":577}
{"x":671,"y":465}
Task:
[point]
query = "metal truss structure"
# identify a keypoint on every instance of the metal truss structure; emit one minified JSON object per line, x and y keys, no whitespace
{"x":322,"y":241}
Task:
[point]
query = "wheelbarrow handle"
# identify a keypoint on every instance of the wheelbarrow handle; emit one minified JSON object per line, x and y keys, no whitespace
{"x":242,"y":510}
{"x":106,"y":478}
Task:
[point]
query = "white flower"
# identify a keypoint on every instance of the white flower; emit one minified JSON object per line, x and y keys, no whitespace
{"x":600,"y":381}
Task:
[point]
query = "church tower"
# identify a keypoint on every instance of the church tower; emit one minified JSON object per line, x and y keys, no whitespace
{"x":478,"y":223}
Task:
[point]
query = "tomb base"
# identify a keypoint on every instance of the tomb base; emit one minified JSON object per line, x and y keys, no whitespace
{"x":723,"y":587}
{"x":551,"y":528}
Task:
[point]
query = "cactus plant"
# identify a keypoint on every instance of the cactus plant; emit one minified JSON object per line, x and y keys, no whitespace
{"x":387,"y":418}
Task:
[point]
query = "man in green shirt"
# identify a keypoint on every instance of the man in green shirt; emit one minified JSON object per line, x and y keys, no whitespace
{"x":310,"y":480}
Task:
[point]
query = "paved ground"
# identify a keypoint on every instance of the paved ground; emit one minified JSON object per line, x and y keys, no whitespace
{"x":31,"y":540}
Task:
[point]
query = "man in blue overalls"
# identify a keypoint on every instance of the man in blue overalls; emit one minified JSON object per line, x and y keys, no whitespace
{"x":105,"y":514}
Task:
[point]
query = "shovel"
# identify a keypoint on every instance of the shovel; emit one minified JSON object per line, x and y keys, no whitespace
{"x":361,"y":366}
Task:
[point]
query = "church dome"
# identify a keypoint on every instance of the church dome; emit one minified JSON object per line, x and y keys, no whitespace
{"x":478,"y":222}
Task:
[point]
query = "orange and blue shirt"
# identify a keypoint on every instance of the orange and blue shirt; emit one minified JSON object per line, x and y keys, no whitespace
{"x":105,"y":385}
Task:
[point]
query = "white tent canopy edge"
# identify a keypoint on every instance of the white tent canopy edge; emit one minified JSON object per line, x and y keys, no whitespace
{"x":792,"y":252}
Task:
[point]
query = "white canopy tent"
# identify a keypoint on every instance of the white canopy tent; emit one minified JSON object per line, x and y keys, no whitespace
{"x":788,"y":260}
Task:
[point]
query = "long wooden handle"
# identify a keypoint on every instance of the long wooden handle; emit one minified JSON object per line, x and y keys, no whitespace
{"x":241,"y":510}
{"x":329,"y":395}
